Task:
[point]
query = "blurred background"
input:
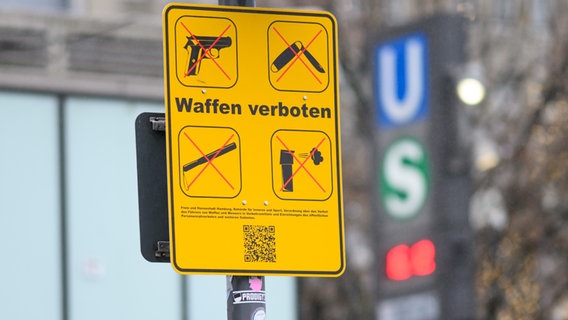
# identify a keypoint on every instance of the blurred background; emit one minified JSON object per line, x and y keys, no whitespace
{"x":74,"y":74}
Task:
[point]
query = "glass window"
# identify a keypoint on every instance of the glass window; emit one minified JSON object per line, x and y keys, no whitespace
{"x":281,"y":298}
{"x":29,"y":218}
{"x":109,"y":278}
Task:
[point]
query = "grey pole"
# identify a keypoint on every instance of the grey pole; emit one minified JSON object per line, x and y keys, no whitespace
{"x":245,"y":294}
{"x":242,"y":3}
{"x":246,"y":298}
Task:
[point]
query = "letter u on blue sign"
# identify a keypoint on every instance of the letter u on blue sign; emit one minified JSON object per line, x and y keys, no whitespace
{"x":401,"y":81}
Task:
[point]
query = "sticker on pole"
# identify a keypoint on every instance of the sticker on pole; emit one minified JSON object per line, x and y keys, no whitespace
{"x":253,"y":141}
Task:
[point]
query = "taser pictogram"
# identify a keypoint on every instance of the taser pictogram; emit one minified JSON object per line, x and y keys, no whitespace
{"x":206,"y":52}
{"x":298,"y":56}
{"x":210,"y":162}
{"x":301,"y":165}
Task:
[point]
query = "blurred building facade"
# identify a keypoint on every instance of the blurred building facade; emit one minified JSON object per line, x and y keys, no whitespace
{"x":74,"y":74}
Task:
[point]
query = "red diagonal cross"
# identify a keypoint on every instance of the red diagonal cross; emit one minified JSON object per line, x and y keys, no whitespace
{"x":301,"y":164}
{"x":209,"y":161}
{"x":298,"y":55}
{"x":206,"y":50}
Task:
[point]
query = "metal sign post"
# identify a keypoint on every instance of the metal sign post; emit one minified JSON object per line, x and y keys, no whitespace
{"x":217,"y":200}
{"x":242,"y":3}
{"x":246,"y":298}
{"x":245,"y":294}
{"x":252,"y":200}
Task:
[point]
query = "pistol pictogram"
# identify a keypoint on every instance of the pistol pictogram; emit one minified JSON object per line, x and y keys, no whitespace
{"x":296,"y":49}
{"x":204,"y":47}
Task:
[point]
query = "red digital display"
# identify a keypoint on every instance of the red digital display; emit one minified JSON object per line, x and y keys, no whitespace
{"x":404,"y":261}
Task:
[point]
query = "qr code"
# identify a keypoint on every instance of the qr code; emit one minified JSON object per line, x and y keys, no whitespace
{"x":259,"y":243}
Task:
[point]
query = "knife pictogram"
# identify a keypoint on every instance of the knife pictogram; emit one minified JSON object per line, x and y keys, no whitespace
{"x":296,"y":49}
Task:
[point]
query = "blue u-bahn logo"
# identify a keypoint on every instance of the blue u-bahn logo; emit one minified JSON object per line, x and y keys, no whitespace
{"x":401,"y":81}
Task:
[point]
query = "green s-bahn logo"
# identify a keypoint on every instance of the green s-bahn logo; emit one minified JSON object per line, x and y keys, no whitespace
{"x":404,"y":178}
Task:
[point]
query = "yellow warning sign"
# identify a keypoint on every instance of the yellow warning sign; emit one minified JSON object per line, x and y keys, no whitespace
{"x":253,"y":141}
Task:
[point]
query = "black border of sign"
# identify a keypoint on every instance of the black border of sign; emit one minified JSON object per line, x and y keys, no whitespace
{"x":167,"y":101}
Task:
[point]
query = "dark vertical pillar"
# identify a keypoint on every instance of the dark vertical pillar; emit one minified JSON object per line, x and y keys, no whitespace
{"x":63,"y":209}
{"x":245,"y":298}
{"x":245,"y":295}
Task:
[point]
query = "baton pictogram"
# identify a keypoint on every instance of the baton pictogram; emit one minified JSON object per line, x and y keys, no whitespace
{"x":209,"y":162}
{"x":209,"y":159}
{"x":206,"y":158}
